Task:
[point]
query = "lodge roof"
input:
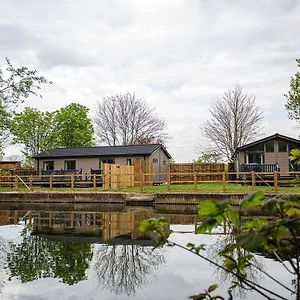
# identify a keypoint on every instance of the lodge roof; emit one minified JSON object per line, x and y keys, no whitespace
{"x":275,"y":136}
{"x":128,"y":150}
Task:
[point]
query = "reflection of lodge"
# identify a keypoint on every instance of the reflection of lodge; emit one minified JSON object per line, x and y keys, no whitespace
{"x":106,"y":225}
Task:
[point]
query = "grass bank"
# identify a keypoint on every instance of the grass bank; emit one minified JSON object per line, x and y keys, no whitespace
{"x":200,"y":188}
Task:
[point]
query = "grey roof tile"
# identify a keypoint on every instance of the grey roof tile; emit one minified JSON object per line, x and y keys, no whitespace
{"x":129,"y":150}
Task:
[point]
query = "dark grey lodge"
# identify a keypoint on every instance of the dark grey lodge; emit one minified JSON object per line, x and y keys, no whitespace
{"x":87,"y":158}
{"x":266,"y":155}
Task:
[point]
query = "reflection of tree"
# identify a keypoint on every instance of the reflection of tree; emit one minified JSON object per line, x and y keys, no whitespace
{"x":124,"y":268}
{"x":36,"y":257}
{"x":251,"y":270}
{"x":3,"y":252}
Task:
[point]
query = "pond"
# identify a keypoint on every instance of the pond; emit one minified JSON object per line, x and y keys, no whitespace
{"x":96,"y":252}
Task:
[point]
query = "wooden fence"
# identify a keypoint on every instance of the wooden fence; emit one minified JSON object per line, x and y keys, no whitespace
{"x":115,"y":178}
{"x":184,"y":172}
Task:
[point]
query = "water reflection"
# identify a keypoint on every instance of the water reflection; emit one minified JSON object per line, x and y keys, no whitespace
{"x":65,"y":243}
{"x":125,"y":268}
{"x":37,"y":257}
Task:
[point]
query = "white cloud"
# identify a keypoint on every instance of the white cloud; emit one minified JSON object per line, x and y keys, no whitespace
{"x":180,"y":56}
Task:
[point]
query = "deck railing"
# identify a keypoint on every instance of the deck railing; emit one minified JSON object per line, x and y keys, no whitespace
{"x":259,"y":168}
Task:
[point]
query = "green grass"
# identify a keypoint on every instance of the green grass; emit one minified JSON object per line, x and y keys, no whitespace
{"x":201,"y":188}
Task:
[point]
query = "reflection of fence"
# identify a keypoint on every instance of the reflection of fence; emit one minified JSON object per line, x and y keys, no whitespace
{"x":115,"y":177}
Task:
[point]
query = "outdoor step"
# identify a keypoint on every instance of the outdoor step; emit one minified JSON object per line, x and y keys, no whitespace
{"x":140,"y":198}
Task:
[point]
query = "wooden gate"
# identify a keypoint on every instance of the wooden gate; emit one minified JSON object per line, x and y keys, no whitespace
{"x":117,"y":176}
{"x":142,"y":167}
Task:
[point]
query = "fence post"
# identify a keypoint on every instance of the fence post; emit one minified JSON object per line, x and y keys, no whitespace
{"x":51,"y":181}
{"x":142,"y":182}
{"x":30,"y":183}
{"x":72,"y":182}
{"x":118,"y":181}
{"x":94,"y":182}
{"x":253,"y":180}
{"x":224,"y":181}
{"x":16,"y":183}
{"x":276,"y":181}
{"x":195,"y":180}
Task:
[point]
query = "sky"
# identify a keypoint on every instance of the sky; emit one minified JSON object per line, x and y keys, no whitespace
{"x":179,"y":56}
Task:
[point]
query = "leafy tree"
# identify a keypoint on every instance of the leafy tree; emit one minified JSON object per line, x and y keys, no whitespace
{"x":293,"y":96}
{"x":73,"y":126}
{"x":34,"y":129}
{"x":208,"y":157}
{"x":126,"y":120}
{"x":235,"y":120}
{"x":16,"y":84}
{"x":277,"y":237}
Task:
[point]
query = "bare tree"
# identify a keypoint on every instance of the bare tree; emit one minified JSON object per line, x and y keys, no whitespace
{"x":235,"y":121}
{"x":126,"y":120}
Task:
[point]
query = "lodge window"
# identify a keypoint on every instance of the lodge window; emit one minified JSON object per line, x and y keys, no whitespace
{"x":270,"y":147}
{"x":254,"y":158}
{"x":282,"y":147}
{"x":70,"y":164}
{"x":48,"y":165}
{"x":105,"y":161}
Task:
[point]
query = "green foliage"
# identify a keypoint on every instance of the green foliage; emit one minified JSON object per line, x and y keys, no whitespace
{"x":293,"y":96}
{"x":40,"y":131}
{"x":73,"y":126}
{"x":158,"y":228}
{"x":278,"y":238}
{"x":207,"y":294}
{"x":295,"y":155}
{"x":34,"y":129}
{"x":209,"y":157}
{"x":16,"y":84}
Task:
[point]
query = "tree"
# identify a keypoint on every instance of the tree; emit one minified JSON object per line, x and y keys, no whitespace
{"x":16,"y":84}
{"x":277,"y":237}
{"x":34,"y":129}
{"x":208,"y":157}
{"x":293,"y":96}
{"x":73,"y":126}
{"x":126,"y":120}
{"x":235,"y":120}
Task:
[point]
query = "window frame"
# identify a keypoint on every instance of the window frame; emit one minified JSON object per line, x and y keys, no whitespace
{"x":69,"y":161}
{"x":47,"y":162}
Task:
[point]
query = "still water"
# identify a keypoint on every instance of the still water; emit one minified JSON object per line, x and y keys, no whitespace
{"x":96,"y":252}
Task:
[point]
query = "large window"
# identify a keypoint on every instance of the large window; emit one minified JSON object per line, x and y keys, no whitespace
{"x":70,"y":164}
{"x":48,"y":165}
{"x":254,"y":158}
{"x":270,"y":147}
{"x":282,"y":147}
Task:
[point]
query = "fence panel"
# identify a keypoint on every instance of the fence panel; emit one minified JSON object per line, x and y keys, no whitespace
{"x":184,"y":172}
{"x":117,"y":176}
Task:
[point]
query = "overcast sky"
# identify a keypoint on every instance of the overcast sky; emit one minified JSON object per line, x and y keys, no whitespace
{"x":180,"y":56}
